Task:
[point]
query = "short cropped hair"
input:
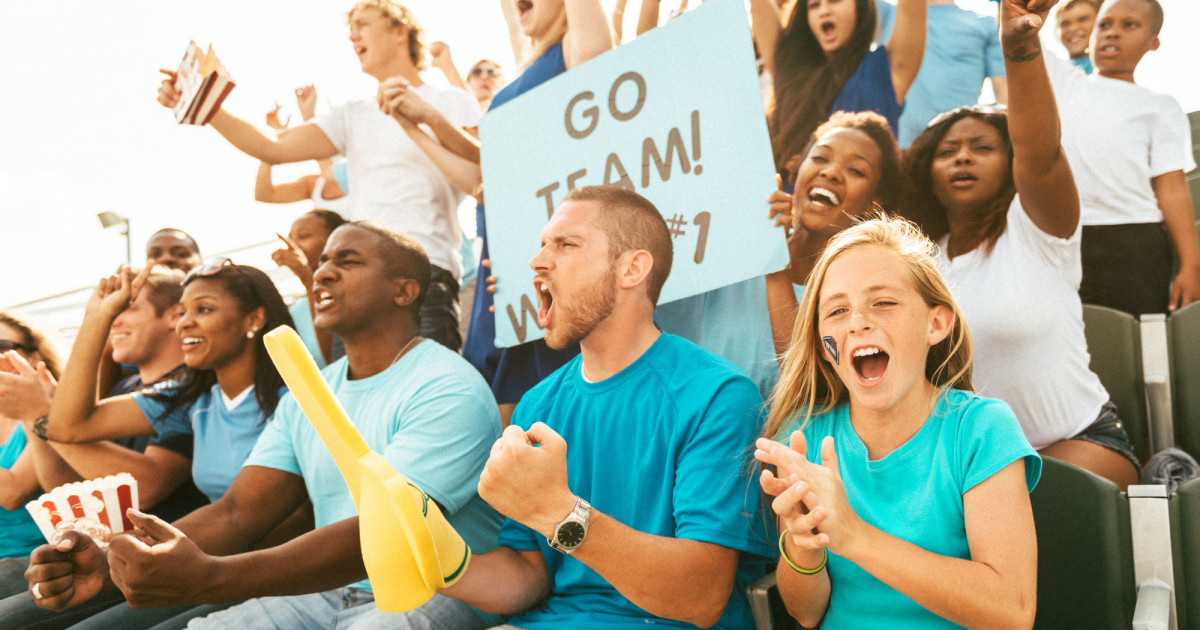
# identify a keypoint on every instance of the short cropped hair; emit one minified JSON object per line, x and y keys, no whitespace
{"x":399,"y":15}
{"x":331,"y":219}
{"x":164,"y":288}
{"x":402,"y":256}
{"x":181,"y":235}
{"x":1156,"y":15}
{"x":631,"y":222}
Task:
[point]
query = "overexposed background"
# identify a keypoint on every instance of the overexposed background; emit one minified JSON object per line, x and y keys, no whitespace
{"x":82,"y":132}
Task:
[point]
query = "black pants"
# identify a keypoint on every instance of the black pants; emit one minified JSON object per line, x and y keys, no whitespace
{"x":1127,"y":267}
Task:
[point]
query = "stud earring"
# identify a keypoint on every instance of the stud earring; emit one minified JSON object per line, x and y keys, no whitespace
{"x":249,"y":334}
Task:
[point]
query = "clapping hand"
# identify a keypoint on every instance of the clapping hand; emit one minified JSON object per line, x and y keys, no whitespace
{"x":810,"y":499}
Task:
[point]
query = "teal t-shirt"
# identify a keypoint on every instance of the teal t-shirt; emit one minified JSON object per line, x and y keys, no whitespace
{"x":665,"y":447}
{"x":223,"y":438}
{"x":18,"y":533}
{"x":302,"y":318}
{"x":732,"y":322}
{"x":966,"y":440}
{"x":431,"y":415}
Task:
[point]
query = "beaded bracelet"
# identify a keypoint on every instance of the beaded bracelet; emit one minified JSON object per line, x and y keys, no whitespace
{"x":783,"y":554}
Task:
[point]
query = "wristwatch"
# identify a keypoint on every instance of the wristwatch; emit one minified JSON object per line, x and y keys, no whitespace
{"x":569,"y":534}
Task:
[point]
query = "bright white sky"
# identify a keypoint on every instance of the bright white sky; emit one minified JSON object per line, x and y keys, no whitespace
{"x":83,"y":132}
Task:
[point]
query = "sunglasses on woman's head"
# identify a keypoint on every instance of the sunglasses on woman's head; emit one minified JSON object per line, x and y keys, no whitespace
{"x":987,"y":110}
{"x":6,"y":345}
{"x":212,"y":268}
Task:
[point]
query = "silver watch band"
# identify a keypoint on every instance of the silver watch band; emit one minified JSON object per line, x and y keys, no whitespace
{"x":572,"y":530}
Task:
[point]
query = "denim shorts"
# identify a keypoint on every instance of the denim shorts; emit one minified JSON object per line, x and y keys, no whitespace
{"x":1108,"y":431}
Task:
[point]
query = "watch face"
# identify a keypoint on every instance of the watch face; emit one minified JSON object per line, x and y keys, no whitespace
{"x":570,"y":534}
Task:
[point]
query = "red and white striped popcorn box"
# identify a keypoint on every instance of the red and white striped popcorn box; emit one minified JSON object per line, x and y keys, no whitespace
{"x":96,"y":507}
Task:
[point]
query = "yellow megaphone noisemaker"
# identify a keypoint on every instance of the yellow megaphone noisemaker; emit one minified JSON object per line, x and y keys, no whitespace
{"x":409,"y":548}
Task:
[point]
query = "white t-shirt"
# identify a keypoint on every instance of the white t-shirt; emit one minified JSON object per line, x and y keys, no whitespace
{"x":394,"y":183}
{"x":1022,"y":307}
{"x":1118,"y":135}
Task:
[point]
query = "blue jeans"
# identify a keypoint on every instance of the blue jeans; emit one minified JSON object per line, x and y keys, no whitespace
{"x":339,"y":609}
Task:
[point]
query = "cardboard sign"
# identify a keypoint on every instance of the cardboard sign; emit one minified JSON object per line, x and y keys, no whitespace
{"x":676,"y":116}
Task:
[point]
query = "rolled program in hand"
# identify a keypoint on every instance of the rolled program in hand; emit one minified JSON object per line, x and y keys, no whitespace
{"x":96,"y":507}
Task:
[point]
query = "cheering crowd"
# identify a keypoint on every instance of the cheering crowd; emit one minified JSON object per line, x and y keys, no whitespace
{"x":867,"y":421}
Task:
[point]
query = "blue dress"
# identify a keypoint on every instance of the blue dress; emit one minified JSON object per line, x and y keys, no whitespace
{"x":511,"y":371}
{"x":870,"y":89}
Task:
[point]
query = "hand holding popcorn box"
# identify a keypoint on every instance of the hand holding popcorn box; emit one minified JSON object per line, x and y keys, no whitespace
{"x":96,"y":508}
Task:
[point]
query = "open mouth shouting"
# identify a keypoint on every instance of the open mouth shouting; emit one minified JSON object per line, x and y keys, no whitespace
{"x":322,"y":299}
{"x":524,"y":9}
{"x":545,"y":302}
{"x":870,"y":363}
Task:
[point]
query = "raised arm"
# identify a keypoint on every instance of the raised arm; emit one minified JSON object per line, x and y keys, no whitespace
{"x":648,"y":16}
{"x":306,"y":142}
{"x":765,"y":26}
{"x":75,"y":414}
{"x":520,"y":43}
{"x":440,"y":53}
{"x":906,"y":48}
{"x":1040,"y":169}
{"x":401,"y":103}
{"x":267,"y":191}
{"x":587,"y":32}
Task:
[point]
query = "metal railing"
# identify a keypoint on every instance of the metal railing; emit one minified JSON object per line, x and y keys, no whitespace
{"x":64,"y":311}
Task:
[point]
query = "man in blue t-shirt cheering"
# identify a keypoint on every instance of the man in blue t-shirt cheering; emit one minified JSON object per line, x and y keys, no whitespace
{"x":420,"y":405}
{"x":624,"y":476}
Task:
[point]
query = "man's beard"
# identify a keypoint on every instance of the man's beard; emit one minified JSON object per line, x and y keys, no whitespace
{"x":592,"y":306}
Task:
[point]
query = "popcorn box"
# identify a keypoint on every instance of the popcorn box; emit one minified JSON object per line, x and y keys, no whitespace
{"x":96,"y":507}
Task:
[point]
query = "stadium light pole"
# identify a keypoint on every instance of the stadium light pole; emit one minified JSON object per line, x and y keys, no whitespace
{"x":108,"y":219}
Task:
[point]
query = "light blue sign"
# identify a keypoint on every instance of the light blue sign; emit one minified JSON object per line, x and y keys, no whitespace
{"x":675,"y":115}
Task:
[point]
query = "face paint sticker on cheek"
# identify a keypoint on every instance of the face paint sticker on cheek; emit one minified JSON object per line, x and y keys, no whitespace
{"x":831,"y":346}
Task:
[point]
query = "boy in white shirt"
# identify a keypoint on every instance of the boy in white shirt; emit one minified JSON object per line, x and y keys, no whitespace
{"x":1129,"y":148}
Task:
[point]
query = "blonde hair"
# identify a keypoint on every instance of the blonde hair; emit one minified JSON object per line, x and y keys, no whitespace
{"x":807,"y":384}
{"x":399,"y":15}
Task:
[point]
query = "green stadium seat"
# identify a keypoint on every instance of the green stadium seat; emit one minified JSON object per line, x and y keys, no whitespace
{"x":1114,"y":344}
{"x":1185,"y":542}
{"x":1086,"y":576}
{"x":767,"y":607}
{"x":1085,"y":552}
{"x":1183,"y":330}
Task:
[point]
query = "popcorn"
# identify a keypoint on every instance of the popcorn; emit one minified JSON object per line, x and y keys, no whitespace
{"x":96,"y":508}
